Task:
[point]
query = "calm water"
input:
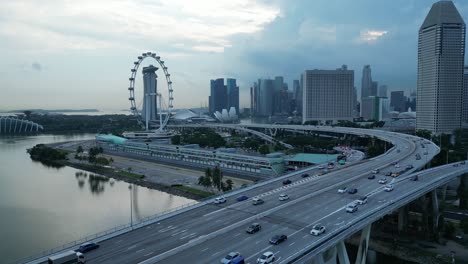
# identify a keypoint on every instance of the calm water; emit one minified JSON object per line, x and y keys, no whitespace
{"x":43,"y":207}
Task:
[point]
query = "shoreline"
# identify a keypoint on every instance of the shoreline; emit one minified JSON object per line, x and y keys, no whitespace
{"x":140,"y":182}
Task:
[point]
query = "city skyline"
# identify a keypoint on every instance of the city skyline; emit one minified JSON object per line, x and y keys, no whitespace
{"x":283,"y":40}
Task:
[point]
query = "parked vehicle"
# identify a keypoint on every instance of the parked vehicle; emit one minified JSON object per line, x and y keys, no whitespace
{"x":229,"y":257}
{"x":317,"y":229}
{"x":88,"y":246}
{"x":266,"y":258}
{"x":276,"y":239}
{"x":254,"y":228}
{"x":67,"y":257}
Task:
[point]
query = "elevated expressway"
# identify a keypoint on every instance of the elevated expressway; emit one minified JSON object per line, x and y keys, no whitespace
{"x":205,"y":232}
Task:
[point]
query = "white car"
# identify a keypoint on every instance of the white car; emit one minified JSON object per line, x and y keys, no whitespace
{"x":375,"y":171}
{"x":342,"y":190}
{"x":317,"y":230}
{"x":397,"y":165}
{"x":321,"y":167}
{"x":351,"y":208}
{"x":220,"y":200}
{"x":266,"y":258}
{"x":383,"y":181}
{"x":227,"y":259}
{"x":388,"y":188}
{"x":362,"y":200}
{"x":283,"y":197}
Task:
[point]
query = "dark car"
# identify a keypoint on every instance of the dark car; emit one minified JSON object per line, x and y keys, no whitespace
{"x":305,"y":175}
{"x":253,"y":228}
{"x":276,"y":239}
{"x":87,"y":247}
{"x":455,"y":164}
{"x":352,"y":191}
{"x":462,"y":163}
{"x":242,"y":198}
{"x":371,"y":177}
{"x":287,"y":181}
{"x":414,"y":178}
{"x":388,"y":173}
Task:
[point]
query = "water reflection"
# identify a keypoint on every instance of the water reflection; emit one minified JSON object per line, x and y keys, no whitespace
{"x":97,"y":183}
{"x":81,"y":177}
{"x":48,"y":164}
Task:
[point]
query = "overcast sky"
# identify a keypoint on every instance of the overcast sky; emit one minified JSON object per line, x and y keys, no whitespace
{"x":78,"y":54}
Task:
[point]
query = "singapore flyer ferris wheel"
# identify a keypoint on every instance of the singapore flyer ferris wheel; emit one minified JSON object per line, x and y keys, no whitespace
{"x":156,"y":106}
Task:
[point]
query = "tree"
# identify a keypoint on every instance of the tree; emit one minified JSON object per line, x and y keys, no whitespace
{"x":217,"y":178}
{"x":264,"y":149}
{"x":463,"y":192}
{"x":79,"y":149}
{"x":229,"y":184}
{"x":175,"y":140}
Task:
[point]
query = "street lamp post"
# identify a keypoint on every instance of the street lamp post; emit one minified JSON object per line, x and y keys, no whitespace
{"x":448,"y":150}
{"x":130,"y":187}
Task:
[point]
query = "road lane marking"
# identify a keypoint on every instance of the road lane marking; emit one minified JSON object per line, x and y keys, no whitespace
{"x":292,"y":243}
{"x":214,"y":212}
{"x":258,"y":242}
{"x":148,"y":254}
{"x":305,"y":236}
{"x":140,"y":250}
{"x":116,"y":242}
{"x":214,"y":254}
{"x":180,"y":232}
{"x":131,"y":247}
{"x":188,"y":236}
{"x":236,"y":235}
{"x":203,"y":250}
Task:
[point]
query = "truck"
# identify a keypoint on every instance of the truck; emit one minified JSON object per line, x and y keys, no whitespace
{"x":69,"y":257}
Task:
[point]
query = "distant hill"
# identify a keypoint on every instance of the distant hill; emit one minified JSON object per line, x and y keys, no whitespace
{"x":54,"y":110}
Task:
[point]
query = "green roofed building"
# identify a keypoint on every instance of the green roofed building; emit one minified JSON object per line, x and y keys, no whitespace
{"x":306,"y":159}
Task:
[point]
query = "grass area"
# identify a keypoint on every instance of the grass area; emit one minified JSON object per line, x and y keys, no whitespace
{"x":129,"y":174}
{"x":193,"y":190}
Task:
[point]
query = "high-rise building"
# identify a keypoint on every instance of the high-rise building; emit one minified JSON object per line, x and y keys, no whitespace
{"x":266,"y":97}
{"x":383,"y":91}
{"x":232,"y":94}
{"x":374,"y":108}
{"x":150,"y":90}
{"x":278,"y":85}
{"x":465,"y":95}
{"x":366,"y":83}
{"x":441,"y":55}
{"x":297,"y":96}
{"x":374,"y":88}
{"x":218,"y":97}
{"x":328,"y":95}
{"x":398,"y":101}
{"x":356,"y":110}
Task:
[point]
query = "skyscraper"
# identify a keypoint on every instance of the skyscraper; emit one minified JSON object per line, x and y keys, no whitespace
{"x":366,"y":83}
{"x":374,"y":88}
{"x":150,"y":90}
{"x":297,"y":95}
{"x":441,"y":55}
{"x":328,"y":95}
{"x":398,"y":101}
{"x":383,"y":91}
{"x":218,"y":97}
{"x":375,"y":108}
{"x":465,"y":95}
{"x":278,"y":85}
{"x":232,"y":94}
{"x":266,"y":97}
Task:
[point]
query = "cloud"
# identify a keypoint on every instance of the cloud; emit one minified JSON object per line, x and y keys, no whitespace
{"x":370,"y":36}
{"x":88,"y":24}
{"x":310,"y":31}
{"x":36,"y":66}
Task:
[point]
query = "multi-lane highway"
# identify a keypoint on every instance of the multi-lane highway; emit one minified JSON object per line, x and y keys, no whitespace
{"x":209,"y":231}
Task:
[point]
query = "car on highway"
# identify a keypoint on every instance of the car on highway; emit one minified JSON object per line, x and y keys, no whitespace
{"x":415,"y":178}
{"x":88,"y":246}
{"x":242,"y":198}
{"x":462,"y":163}
{"x":266,"y":258}
{"x":352,"y":191}
{"x":219,"y":200}
{"x":395,"y":174}
{"x":409,"y":167}
{"x":388,"y":188}
{"x":351,"y":208}
{"x":253,"y":228}
{"x":321,"y":167}
{"x":371,"y":177}
{"x":317,"y":229}
{"x":287,"y":181}
{"x":283,"y":197}
{"x":455,"y":164}
{"x":397,"y":165}
{"x":362,"y":200}
{"x":383,"y":181}
{"x":388,"y":173}
{"x":276,"y":239}
{"x":342,"y":190}
{"x":229,"y":257}
{"x":375,"y":171}
{"x":305,"y":175}
{"x":257,"y":201}
{"x":425,"y":153}
{"x":398,"y":151}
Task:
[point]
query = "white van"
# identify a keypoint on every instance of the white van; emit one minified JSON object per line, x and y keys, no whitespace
{"x":67,"y":257}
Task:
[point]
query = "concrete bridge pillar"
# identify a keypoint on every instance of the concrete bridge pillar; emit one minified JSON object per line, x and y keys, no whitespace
{"x":444,"y":193}
{"x":363,"y":245}
{"x":402,"y":218}
{"x":435,"y":210}
{"x":342,"y":253}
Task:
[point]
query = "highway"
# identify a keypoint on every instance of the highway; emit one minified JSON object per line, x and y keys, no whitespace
{"x":219,"y":229}
{"x":208,"y":232}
